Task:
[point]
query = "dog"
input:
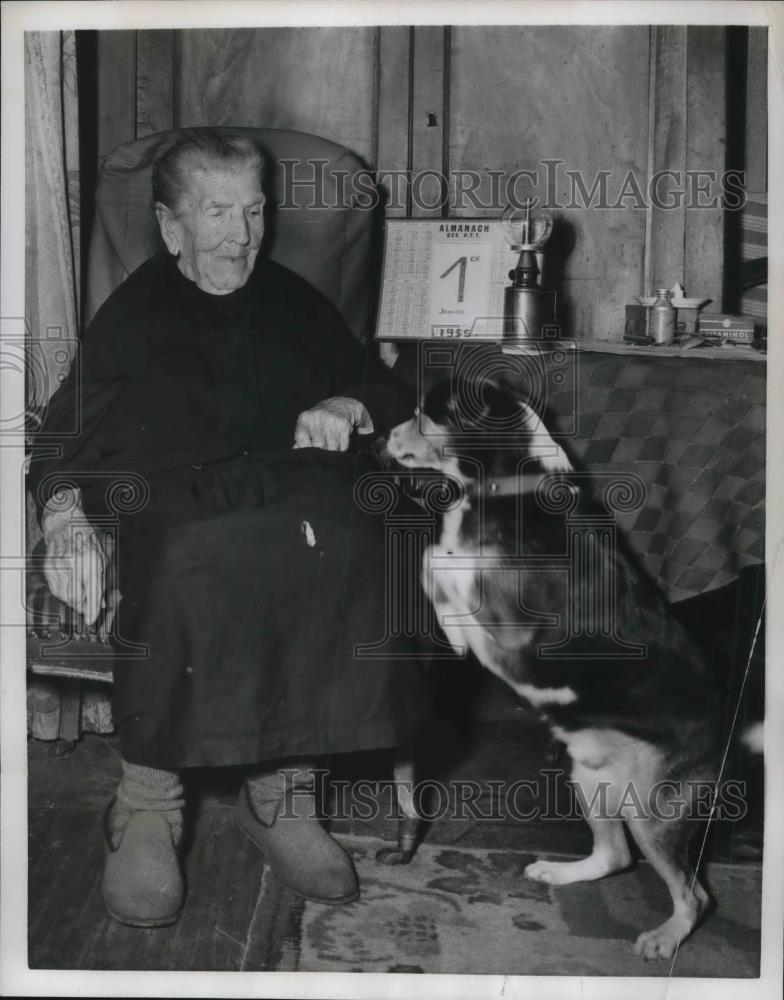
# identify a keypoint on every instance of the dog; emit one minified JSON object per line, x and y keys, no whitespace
{"x":640,"y":729}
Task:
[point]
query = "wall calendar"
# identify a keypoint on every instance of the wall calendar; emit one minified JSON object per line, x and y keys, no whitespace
{"x":443,"y":279}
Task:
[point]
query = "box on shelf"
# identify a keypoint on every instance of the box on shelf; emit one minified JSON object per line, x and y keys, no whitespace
{"x":727,"y":327}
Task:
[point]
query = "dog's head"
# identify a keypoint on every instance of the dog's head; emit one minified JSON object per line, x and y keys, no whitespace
{"x":462,"y":426}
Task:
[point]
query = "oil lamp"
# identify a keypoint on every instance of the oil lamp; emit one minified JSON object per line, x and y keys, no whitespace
{"x":527,"y":228}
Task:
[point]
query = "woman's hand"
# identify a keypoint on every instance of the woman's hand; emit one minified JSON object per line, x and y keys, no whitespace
{"x":75,"y":562}
{"x":329,"y":424}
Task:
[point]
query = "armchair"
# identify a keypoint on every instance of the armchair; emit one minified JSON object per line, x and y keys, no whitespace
{"x":319,"y":232}
{"x":331,"y":245}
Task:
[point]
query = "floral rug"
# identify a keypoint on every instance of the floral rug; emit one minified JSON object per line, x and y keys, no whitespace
{"x":454,"y":910}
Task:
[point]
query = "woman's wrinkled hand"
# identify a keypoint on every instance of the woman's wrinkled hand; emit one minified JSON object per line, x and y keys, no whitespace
{"x":75,"y":565}
{"x":329,"y":424}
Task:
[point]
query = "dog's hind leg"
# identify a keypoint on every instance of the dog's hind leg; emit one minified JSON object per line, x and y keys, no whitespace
{"x":610,"y":851}
{"x":664,"y":844}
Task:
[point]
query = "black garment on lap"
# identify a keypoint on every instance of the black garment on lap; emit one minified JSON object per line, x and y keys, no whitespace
{"x":250,"y":630}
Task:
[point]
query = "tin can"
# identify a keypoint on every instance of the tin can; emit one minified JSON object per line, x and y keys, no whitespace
{"x":662,"y":318}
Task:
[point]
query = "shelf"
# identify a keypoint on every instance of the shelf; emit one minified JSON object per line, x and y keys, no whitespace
{"x":728,"y":352}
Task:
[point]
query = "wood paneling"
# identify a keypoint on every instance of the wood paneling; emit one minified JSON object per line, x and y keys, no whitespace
{"x":394,"y":109}
{"x":116,"y":58}
{"x":690,"y":139}
{"x":627,"y":101}
{"x":706,"y":131}
{"x":757,"y":111}
{"x":523,"y":95}
{"x":319,"y":80}
{"x":667,"y":220}
{"x":154,"y":82}
{"x":428,"y":123}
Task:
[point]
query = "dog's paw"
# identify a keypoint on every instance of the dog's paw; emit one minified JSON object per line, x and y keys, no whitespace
{"x":660,"y":942}
{"x":551,"y":872}
{"x":566,"y":872}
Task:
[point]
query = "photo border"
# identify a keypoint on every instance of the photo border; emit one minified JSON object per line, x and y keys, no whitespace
{"x":15,"y":977}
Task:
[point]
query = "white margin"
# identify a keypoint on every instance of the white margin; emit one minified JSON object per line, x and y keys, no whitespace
{"x":15,"y":978}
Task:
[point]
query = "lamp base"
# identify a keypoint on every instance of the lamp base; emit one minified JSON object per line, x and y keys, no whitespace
{"x":526,"y":311}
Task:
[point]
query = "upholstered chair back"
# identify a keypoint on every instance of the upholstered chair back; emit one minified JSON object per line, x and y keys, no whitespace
{"x":316,"y":225}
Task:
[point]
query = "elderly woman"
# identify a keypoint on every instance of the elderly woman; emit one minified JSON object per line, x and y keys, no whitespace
{"x":249,"y":576}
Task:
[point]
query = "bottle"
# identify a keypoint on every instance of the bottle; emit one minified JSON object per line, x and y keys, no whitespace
{"x":662,"y":327}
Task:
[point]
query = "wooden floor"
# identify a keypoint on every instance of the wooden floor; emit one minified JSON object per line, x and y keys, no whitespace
{"x":218,"y":929}
{"x":221,"y":928}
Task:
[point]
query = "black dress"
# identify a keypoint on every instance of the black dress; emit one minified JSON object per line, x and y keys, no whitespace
{"x":248,"y":572}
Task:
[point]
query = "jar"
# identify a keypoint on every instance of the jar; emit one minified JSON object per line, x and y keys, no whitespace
{"x":662,"y":327}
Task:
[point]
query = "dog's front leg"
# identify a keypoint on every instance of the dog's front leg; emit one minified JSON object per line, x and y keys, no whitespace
{"x":599,"y":802}
{"x":439,"y":586}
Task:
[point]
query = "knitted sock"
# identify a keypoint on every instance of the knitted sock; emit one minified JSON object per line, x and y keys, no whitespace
{"x":151,"y":789}
{"x":267,"y":790}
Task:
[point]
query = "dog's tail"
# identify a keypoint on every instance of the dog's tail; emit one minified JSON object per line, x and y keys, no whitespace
{"x":753,"y":738}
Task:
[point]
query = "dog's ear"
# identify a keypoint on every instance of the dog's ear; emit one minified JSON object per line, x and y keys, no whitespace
{"x":491,"y":406}
{"x":499,"y":401}
{"x":471,"y":405}
{"x":550,"y":454}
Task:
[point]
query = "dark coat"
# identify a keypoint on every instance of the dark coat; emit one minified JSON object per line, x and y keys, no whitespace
{"x":235,"y":638}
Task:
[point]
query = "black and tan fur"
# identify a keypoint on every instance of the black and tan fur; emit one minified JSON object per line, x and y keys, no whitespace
{"x":625,"y":722}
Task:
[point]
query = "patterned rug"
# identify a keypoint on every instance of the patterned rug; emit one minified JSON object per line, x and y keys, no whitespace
{"x":453,"y":910}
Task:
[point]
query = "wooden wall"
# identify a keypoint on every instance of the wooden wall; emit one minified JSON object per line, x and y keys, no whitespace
{"x":622,"y":99}
{"x":756,"y":101}
{"x":320,"y":80}
{"x":563,"y":94}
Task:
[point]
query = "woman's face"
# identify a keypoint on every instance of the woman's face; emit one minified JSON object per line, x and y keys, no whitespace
{"x":218,"y":229}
